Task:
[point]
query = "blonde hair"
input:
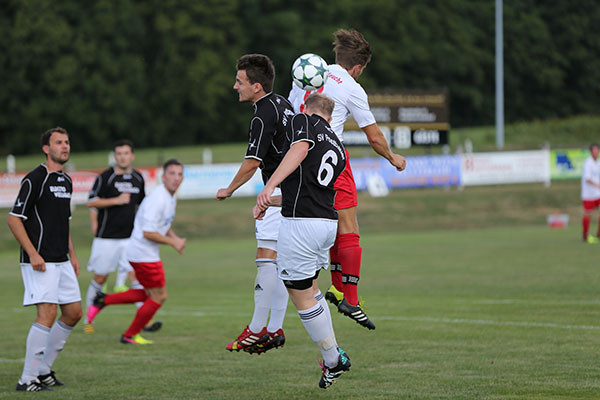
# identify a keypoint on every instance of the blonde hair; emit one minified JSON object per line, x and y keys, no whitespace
{"x":320,"y":103}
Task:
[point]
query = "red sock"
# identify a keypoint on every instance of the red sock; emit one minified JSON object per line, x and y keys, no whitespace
{"x":349,"y":254}
{"x":335,"y":267}
{"x":130,"y":296}
{"x":142,"y":317}
{"x":586,"y":226}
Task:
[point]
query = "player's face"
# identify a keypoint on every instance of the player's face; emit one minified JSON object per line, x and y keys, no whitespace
{"x":245,"y":89}
{"x":173,"y":177}
{"x":595,"y":151}
{"x":58,"y":148}
{"x":124,"y":156}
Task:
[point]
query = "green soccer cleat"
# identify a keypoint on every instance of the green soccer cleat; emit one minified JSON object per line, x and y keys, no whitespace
{"x":334,"y":296}
{"x":120,"y":288}
{"x":137,"y":339}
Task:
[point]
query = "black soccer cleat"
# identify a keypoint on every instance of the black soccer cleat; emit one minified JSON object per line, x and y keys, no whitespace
{"x":32,"y":386}
{"x":356,"y":313}
{"x":329,"y":375}
{"x":271,"y":340}
{"x":50,"y":380}
{"x":156,"y":325}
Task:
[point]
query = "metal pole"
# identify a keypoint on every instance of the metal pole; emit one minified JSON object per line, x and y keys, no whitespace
{"x":499,"y":78}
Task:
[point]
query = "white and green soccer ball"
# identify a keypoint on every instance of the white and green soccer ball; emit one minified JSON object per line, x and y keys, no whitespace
{"x":309,"y":72}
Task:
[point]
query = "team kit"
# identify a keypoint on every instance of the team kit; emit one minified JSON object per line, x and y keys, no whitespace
{"x":305,"y":220}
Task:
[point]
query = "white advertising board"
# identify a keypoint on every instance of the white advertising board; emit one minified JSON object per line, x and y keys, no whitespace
{"x":506,"y":167}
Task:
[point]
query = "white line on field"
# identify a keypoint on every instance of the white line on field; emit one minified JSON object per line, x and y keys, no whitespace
{"x":9,"y":360}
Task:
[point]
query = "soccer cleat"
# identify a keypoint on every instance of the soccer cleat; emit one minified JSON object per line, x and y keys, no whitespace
{"x":592,"y":239}
{"x":120,"y":288}
{"x":153,"y":327}
{"x":356,"y":313}
{"x":32,"y":386}
{"x":50,"y":380}
{"x":329,"y":375}
{"x":271,"y":340}
{"x":94,"y":309}
{"x":334,"y":296}
{"x":88,"y":329}
{"x":137,"y":339}
{"x":246,"y":339}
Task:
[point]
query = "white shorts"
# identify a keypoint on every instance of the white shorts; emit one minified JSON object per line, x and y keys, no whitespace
{"x":268,"y":227}
{"x":107,"y":255}
{"x":304,"y":247}
{"x":57,"y":285}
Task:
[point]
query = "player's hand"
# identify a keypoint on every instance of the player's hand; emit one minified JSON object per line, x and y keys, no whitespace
{"x":258,"y":212}
{"x":123,"y":198}
{"x":263,"y":200}
{"x":399,"y":162}
{"x":222,"y":194}
{"x":75,"y":264}
{"x":179,"y":244}
{"x":37,"y":262}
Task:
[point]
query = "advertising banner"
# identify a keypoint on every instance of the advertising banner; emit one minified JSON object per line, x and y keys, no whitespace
{"x":567,"y":164}
{"x":506,"y":167}
{"x":203,"y":181}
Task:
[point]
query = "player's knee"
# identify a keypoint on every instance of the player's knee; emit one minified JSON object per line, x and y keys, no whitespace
{"x":100,"y":279}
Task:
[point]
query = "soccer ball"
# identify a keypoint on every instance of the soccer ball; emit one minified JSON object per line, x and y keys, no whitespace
{"x":309,"y":72}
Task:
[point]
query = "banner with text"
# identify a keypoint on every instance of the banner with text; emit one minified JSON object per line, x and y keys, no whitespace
{"x":506,"y":167}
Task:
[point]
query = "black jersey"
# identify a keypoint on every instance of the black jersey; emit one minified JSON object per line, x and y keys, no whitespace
{"x":267,"y":136}
{"x":44,"y":204}
{"x":308,"y":191}
{"x":116,"y":222}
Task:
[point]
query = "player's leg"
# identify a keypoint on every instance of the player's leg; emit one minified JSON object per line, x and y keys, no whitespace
{"x":588,"y":208}
{"x":596,"y":207}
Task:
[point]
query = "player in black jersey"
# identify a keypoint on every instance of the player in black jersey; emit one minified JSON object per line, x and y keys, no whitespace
{"x":272,"y":114}
{"x":39,"y":220}
{"x":114,"y":199}
{"x":315,"y":158}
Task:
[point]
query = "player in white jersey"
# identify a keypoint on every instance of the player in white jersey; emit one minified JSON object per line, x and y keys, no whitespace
{"x":151,"y":228}
{"x":39,"y":220}
{"x":352,"y":54}
{"x":590,"y":191}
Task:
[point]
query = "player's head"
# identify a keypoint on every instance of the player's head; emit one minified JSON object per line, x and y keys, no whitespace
{"x":255,"y":77}
{"x":123,"y":150}
{"x":56,"y":145}
{"x":319,"y":104}
{"x":172,"y":175}
{"x":594,"y":150}
{"x":352,"y":51}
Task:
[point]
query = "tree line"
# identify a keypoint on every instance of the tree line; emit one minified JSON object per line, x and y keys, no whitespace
{"x":161,"y":72}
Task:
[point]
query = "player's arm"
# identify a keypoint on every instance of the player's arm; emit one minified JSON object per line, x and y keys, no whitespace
{"x":94,"y":220}
{"x":290,"y":162}
{"x":381,"y":147}
{"x":246,"y":171}
{"x":18,"y":230}
{"x":170,"y":238}
{"x":73,"y":256}
{"x":100,"y":202}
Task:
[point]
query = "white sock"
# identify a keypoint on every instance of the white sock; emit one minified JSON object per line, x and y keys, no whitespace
{"x":264,"y":286}
{"x":56,"y":341}
{"x":94,"y":288}
{"x":121,"y":277}
{"x":279,"y":304}
{"x":137,"y":285}
{"x":34,"y":351}
{"x":317,"y":326}
{"x":321,"y":300}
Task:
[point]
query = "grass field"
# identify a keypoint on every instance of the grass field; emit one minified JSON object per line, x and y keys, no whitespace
{"x":473,"y":298}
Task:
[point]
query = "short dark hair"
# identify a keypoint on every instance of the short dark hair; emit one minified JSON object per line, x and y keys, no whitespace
{"x":123,"y":142}
{"x":259,"y":69}
{"x":594,"y":145}
{"x":320,"y":102}
{"x":169,"y":162}
{"x":45,"y":139}
{"x":351,"y":48}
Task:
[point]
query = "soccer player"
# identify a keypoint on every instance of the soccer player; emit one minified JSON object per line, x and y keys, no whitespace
{"x":352,"y":54}
{"x":116,"y":194}
{"x":151,"y":228}
{"x":590,"y":191}
{"x":39,"y":220}
{"x":309,"y":225}
{"x":254,"y":83}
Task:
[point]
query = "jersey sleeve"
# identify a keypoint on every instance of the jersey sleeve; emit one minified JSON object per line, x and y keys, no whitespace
{"x":296,"y":97}
{"x":262,"y":130}
{"x":96,"y":187}
{"x":28,"y":193}
{"x":151,"y":221}
{"x":358,"y":105}
{"x":301,"y":130}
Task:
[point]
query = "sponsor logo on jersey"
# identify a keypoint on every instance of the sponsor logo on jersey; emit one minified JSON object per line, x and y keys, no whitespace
{"x":19,"y":203}
{"x":320,"y":137}
{"x":60,"y":179}
{"x":60,"y":192}
{"x":126,"y":187}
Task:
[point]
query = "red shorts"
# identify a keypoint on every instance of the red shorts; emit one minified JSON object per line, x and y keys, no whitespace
{"x":150,"y":275}
{"x":345,"y":188}
{"x":590,"y":205}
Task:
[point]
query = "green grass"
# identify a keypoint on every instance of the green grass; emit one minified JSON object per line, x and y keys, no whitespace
{"x":473,"y":298}
{"x":573,"y":132}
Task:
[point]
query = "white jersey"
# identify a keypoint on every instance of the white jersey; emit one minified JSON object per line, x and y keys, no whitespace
{"x":349,"y":97}
{"x":155,"y":214}
{"x":591,"y":171}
